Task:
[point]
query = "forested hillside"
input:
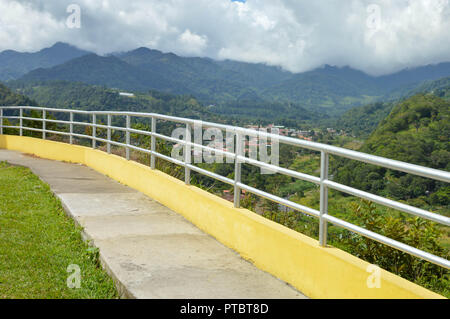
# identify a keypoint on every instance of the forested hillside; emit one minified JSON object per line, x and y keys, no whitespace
{"x":9,"y":98}
{"x":94,"y":69}
{"x":281,"y":112}
{"x":63,"y":94}
{"x":416,"y":131}
{"x":90,"y":97}
{"x":361,"y":121}
{"x":327,"y":87}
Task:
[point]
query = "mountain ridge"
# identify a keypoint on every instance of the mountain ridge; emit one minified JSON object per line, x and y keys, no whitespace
{"x":14,"y":64}
{"x":227,"y":81}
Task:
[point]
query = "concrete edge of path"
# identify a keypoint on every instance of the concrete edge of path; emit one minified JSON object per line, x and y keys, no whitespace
{"x":122,"y":289}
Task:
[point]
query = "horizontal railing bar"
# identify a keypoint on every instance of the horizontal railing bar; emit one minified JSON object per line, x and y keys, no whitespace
{"x":63,"y":133}
{"x":117,"y":128}
{"x":99,"y":139}
{"x":114,"y":128}
{"x":167,"y":138}
{"x":83,"y":123}
{"x":46,"y":120}
{"x":12,"y":117}
{"x":34,"y":119}
{"x":390,"y":163}
{"x":33,"y":129}
{"x":172,"y":118}
{"x":50,"y":109}
{"x":211,"y":149}
{"x":388,"y":241}
{"x":277,"y":169}
{"x":280,"y":200}
{"x":132,"y":130}
{"x":68,"y":134}
{"x":389,"y":203}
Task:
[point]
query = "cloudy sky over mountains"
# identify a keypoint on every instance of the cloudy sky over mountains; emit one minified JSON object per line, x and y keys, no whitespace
{"x":377,"y":36}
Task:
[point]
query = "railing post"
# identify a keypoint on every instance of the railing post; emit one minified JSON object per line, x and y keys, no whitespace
{"x":108,"y":146}
{"x":71,"y":128}
{"x":237,"y":170}
{"x":187,"y":155}
{"x":127,"y":137}
{"x":1,"y":121}
{"x":20,"y":121}
{"x":94,"y":131}
{"x":323,"y":199}
{"x":153,"y":145}
{"x":44,"y":116}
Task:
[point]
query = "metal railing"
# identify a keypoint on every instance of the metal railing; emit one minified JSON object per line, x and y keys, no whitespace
{"x":239,"y":158}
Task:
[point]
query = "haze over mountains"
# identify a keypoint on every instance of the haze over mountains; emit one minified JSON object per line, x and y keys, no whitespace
{"x":220,"y":83}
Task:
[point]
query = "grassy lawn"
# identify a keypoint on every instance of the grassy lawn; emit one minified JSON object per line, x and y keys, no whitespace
{"x":38,"y":242}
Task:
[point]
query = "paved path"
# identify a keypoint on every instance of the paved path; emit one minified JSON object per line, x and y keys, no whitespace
{"x":150,"y":251}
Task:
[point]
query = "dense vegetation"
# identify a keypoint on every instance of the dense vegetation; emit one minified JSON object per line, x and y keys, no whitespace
{"x":282,"y":113}
{"x":64,"y":94}
{"x":416,"y":131}
{"x":362,"y":121}
{"x":10,"y":98}
{"x":76,"y":95}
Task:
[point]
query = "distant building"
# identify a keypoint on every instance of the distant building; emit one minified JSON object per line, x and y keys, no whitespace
{"x":126,"y":94}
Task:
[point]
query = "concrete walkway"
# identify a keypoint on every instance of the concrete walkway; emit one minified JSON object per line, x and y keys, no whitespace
{"x":150,"y":251}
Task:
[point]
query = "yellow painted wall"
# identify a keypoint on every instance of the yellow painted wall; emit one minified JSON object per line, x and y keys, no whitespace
{"x":297,"y":259}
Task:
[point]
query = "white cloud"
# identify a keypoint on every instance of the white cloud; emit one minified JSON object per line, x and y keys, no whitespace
{"x":299,"y":35}
{"x":192,"y":43}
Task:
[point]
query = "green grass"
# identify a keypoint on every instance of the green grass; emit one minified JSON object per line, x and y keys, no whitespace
{"x":38,"y":242}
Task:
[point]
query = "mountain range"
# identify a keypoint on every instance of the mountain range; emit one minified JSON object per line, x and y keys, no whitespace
{"x":218,"y":83}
